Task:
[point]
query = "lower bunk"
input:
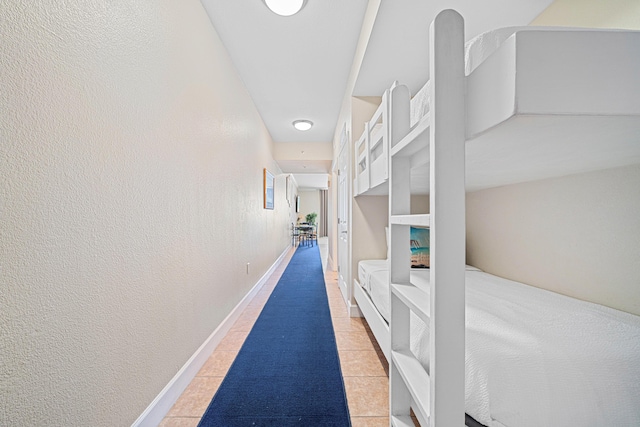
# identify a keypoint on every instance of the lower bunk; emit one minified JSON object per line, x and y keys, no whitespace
{"x":533,"y":357}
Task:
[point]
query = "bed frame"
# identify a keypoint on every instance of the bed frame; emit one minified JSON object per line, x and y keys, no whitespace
{"x":532,"y":100}
{"x":562,"y":107}
{"x":372,"y":153}
{"x":376,"y":322}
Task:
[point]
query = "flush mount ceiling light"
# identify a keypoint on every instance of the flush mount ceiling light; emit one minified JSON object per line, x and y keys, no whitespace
{"x":303,"y":124}
{"x":285,"y":7}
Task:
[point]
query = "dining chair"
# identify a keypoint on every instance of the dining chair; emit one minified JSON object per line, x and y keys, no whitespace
{"x":295,"y":235}
{"x":312,"y":235}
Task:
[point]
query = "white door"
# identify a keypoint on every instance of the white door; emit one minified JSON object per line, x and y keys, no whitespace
{"x":343,"y":222}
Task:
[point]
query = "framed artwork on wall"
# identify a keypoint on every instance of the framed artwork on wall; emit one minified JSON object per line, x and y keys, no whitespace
{"x":268,"y":189}
{"x":288,"y":189}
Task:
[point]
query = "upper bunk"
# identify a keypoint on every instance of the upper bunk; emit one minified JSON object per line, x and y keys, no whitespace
{"x":541,"y":102}
{"x":372,"y":152}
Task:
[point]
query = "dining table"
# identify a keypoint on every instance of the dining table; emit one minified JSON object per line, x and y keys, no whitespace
{"x":304,"y":231}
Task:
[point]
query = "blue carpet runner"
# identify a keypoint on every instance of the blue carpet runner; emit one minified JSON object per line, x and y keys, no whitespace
{"x":287,"y":373}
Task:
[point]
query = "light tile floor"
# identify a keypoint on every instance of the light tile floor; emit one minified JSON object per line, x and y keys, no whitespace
{"x":364,"y":367}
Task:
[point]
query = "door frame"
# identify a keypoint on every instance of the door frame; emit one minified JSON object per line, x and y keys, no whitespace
{"x":344,"y":223}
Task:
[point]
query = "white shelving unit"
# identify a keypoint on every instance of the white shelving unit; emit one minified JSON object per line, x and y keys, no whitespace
{"x":437,"y":396}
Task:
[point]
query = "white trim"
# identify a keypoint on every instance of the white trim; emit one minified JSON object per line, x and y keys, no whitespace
{"x":156,"y":411}
{"x":331,"y":264}
{"x":374,"y":319}
{"x":354,"y":310}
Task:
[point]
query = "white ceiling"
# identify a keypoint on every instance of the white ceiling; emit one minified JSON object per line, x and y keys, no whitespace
{"x":312,"y":180}
{"x":294,"y":67}
{"x":297,"y":67}
{"x":398,"y":48}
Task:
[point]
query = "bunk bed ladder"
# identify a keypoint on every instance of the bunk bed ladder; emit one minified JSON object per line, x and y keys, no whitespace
{"x":437,"y":396}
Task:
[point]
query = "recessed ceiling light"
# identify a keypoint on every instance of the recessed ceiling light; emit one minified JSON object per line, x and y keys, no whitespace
{"x":285,"y":7}
{"x":303,"y":124}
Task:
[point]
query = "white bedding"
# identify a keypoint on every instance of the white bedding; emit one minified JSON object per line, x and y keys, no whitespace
{"x":476,"y":51}
{"x":537,"y":358}
{"x":368,"y":267}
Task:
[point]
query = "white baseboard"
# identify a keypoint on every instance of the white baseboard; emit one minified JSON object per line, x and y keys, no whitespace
{"x":156,"y":411}
{"x":331,"y":264}
{"x":353,"y":310}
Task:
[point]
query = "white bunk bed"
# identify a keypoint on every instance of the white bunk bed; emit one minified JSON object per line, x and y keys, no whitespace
{"x":569,"y":84}
{"x":538,"y":104}
{"x":548,"y":369}
{"x":372,"y":148}
{"x":372,"y":153}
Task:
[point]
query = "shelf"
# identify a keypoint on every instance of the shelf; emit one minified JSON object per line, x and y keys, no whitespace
{"x":416,"y":379}
{"x":418,"y":220}
{"x":415,"y":140}
{"x":416,"y":299}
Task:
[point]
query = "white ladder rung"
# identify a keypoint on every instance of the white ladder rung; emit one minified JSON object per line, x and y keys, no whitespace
{"x":416,"y":220}
{"x":415,"y":298}
{"x":402,"y":421}
{"x":416,"y":379}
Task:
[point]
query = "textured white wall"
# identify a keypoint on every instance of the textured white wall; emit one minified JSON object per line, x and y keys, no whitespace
{"x":131,"y":164}
{"x":344,"y":118}
{"x":369,"y":214}
{"x":592,"y":13}
{"x":576,"y":235}
{"x":309,"y":202}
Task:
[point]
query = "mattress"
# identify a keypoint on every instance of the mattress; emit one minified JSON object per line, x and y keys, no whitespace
{"x":373,"y":276}
{"x":476,"y":51}
{"x":534,"y":357}
{"x":378,"y":288}
{"x":565,"y":362}
{"x":368,"y":267}
{"x":483,"y":45}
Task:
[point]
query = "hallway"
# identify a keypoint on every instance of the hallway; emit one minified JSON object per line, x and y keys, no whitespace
{"x":364,"y":368}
